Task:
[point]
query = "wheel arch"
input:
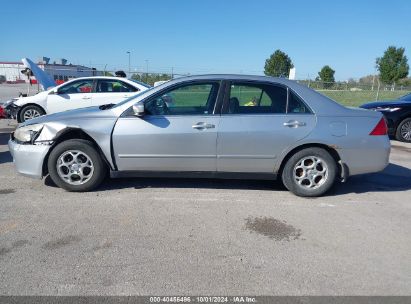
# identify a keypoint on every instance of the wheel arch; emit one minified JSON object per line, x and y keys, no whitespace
{"x":25,"y":106}
{"x":73,"y":133}
{"x":342,"y":168}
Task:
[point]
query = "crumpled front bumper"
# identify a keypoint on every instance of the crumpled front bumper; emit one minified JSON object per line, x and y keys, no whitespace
{"x":28,"y":159}
{"x":11,"y":110}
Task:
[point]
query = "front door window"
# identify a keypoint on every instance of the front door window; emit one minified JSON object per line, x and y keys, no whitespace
{"x":76,"y":87}
{"x":191,"y":99}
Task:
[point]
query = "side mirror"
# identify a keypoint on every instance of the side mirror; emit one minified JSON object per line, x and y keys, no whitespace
{"x":138,"y":109}
{"x":54,"y":91}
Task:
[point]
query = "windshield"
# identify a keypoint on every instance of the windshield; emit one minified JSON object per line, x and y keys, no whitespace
{"x":132,"y":97}
{"x":141,"y":83}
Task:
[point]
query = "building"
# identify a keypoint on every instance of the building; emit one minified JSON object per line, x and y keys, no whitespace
{"x":60,"y":71}
{"x":11,"y":72}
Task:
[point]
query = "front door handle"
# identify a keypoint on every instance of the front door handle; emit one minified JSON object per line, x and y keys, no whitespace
{"x":203,"y":125}
{"x":294,"y":124}
{"x":85,"y":97}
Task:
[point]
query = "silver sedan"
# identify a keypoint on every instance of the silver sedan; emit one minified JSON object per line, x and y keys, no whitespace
{"x":215,"y":126}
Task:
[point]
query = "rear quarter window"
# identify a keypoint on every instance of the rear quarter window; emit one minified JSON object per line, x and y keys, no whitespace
{"x":296,"y":105}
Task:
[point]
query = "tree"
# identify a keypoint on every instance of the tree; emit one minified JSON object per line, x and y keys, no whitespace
{"x":278,"y":65}
{"x":326,"y":75}
{"x":368,"y":80}
{"x":392,"y":65}
{"x":136,"y":77}
{"x":405,"y":82}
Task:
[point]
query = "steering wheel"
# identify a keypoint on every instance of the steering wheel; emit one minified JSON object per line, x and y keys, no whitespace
{"x":161,"y":105}
{"x":164,"y":106}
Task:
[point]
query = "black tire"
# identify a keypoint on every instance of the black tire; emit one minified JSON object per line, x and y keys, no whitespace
{"x":24,"y":112}
{"x":313,"y":181}
{"x":86,"y":150}
{"x":404,"y":127}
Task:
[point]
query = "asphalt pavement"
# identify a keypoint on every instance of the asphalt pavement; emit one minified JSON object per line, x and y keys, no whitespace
{"x":145,"y":236}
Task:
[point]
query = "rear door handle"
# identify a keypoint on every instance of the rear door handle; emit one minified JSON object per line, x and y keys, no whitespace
{"x":294,"y":124}
{"x":203,"y":125}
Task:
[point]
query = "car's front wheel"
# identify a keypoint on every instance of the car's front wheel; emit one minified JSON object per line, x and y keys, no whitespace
{"x":404,"y":130}
{"x":75,"y":165}
{"x":309,"y":172}
{"x":30,"y":112}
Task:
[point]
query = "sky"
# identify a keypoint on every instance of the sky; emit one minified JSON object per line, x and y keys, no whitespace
{"x":207,"y":36}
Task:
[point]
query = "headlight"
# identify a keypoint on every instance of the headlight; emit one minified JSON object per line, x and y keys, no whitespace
{"x":28,"y":133}
{"x":388,"y":109}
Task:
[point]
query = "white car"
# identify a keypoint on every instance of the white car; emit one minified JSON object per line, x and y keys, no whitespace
{"x":77,"y":93}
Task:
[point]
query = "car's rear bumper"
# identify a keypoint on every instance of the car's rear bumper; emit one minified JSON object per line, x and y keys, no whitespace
{"x":28,"y":159}
{"x":371,"y":155}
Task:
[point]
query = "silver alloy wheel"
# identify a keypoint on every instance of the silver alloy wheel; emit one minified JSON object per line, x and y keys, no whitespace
{"x":30,"y":114}
{"x":75,"y":167}
{"x":311,"y":172}
{"x":406,"y":131}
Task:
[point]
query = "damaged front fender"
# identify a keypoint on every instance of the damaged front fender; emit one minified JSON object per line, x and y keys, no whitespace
{"x":56,"y":132}
{"x":50,"y":132}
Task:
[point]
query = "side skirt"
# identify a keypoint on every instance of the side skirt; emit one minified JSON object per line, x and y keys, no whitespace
{"x":191,"y":174}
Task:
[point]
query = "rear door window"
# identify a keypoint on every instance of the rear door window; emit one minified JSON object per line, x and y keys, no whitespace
{"x":114,"y":86}
{"x":257,"y":99}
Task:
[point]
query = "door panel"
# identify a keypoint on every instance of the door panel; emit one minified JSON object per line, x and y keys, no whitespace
{"x":112,"y":91}
{"x":72,"y":95}
{"x":178,"y":132}
{"x":166,"y":143}
{"x":259,"y":121}
{"x":64,"y":102}
{"x":251,"y":143}
{"x":105,"y":98}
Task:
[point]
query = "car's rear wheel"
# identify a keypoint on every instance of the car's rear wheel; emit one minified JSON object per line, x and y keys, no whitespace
{"x":404,"y":130}
{"x":30,"y":112}
{"x":75,"y":165}
{"x":309,"y":172}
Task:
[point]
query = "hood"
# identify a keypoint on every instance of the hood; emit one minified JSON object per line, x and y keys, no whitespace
{"x":74,"y":115}
{"x":20,"y":101}
{"x":385,"y":103}
{"x":45,"y":80}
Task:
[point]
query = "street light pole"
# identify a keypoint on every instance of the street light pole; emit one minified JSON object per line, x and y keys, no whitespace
{"x":129,"y":54}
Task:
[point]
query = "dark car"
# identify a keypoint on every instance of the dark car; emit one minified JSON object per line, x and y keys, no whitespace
{"x":398,"y":116}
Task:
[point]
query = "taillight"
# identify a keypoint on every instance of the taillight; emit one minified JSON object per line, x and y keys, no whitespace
{"x":380,"y":128}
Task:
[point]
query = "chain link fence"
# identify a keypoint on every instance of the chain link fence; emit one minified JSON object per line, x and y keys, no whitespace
{"x":350,"y":93}
{"x":353,"y":86}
